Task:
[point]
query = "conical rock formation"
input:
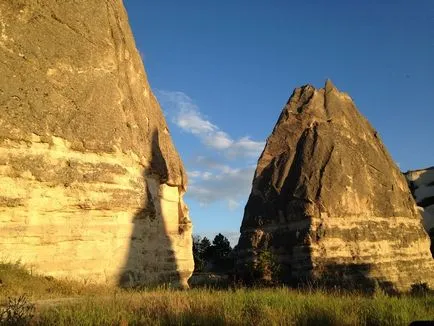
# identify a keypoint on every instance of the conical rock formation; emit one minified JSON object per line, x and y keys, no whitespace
{"x":91,"y":185}
{"x":329,"y":203}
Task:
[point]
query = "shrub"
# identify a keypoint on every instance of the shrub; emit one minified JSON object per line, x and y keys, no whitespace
{"x":18,"y":311}
{"x":419,"y":289}
{"x":267,"y":266}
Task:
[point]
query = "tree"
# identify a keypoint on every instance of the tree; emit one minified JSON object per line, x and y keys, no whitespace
{"x":198,"y":262}
{"x":212,"y":257}
{"x":200,"y":252}
{"x":222,"y":246}
{"x":221,"y":250}
{"x":204,"y":245}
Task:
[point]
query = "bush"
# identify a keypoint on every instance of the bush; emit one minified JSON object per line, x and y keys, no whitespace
{"x":18,"y":311}
{"x":267,"y":266}
{"x":420,"y":289}
{"x":264,"y":270}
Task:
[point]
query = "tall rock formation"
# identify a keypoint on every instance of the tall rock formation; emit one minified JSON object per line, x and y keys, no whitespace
{"x":421,"y":183}
{"x":91,"y":185}
{"x":329,"y":203}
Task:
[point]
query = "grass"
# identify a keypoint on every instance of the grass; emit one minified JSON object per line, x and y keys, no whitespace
{"x":272,"y":306}
{"x":16,"y":280}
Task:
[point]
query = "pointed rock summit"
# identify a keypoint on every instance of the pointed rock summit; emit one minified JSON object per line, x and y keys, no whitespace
{"x":91,"y":185}
{"x":329,"y":203}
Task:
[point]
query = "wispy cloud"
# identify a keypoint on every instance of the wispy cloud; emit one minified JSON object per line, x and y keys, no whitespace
{"x":226,"y":177}
{"x":246,"y":145}
{"x":187,"y":116}
{"x":228,"y":184}
{"x":233,"y":204}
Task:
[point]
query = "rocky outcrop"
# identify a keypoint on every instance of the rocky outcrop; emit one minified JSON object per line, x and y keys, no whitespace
{"x":91,"y":185}
{"x":421,"y":183}
{"x":329,"y":203}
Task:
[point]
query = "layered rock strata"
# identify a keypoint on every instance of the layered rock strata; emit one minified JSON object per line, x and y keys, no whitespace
{"x":91,"y":185}
{"x":421,"y":183}
{"x":329,"y":203}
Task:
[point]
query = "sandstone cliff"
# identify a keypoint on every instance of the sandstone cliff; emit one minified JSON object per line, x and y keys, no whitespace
{"x":329,"y":203}
{"x":421,"y":183}
{"x":91,"y":185}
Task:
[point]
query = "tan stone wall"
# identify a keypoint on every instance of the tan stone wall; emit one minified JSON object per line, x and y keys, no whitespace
{"x":91,"y":184}
{"x":348,"y":241}
{"x":98,"y":228}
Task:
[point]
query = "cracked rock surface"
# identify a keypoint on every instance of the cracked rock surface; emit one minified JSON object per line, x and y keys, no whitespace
{"x":91,"y":184}
{"x":421,"y":183}
{"x":329,"y":203}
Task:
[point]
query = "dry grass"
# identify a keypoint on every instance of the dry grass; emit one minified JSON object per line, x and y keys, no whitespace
{"x":16,"y":280}
{"x":272,"y":306}
{"x":240,"y":307}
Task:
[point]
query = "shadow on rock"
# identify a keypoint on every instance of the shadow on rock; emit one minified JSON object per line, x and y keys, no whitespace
{"x":151,"y":258}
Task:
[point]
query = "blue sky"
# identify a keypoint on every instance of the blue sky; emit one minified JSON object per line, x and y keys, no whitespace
{"x":222,"y":71}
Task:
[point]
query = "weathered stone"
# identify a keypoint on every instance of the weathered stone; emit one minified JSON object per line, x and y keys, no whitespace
{"x":91,"y":185}
{"x":329,"y":203}
{"x":421,"y":183}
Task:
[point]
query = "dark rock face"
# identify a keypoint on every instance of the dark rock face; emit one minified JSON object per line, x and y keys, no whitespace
{"x":91,"y":185}
{"x":421,"y":183}
{"x":328,"y":201}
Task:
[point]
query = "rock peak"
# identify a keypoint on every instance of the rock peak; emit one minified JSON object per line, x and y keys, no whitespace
{"x":329,"y":86}
{"x":324,"y":179}
{"x":87,"y":165}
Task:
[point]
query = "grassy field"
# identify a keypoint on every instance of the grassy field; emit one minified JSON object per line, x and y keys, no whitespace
{"x":98,"y":305}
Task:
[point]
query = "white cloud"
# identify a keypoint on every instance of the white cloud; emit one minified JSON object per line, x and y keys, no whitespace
{"x":186,"y":115}
{"x":191,"y":121}
{"x":246,"y":146}
{"x":206,"y":162}
{"x":193,"y":174}
{"x":233,"y":204}
{"x":207,"y":175}
{"x":213,"y":180}
{"x":218,"y":140}
{"x":230,"y":185}
{"x":201,"y":175}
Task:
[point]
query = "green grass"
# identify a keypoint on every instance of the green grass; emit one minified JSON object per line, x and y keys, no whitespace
{"x":16,"y":280}
{"x":240,"y":307}
{"x":270,"y":306}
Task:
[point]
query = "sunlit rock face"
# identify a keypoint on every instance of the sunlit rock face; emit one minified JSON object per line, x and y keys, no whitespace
{"x":91,"y":185}
{"x":330,"y":204}
{"x":421,"y":183}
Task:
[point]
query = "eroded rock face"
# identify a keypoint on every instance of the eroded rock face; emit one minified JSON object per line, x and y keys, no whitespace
{"x":329,"y":203}
{"x":421,"y":183}
{"x":91,"y":185}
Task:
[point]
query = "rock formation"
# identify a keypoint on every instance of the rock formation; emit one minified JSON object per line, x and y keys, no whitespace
{"x":91,"y":185}
{"x":421,"y":183}
{"x":329,"y":203}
